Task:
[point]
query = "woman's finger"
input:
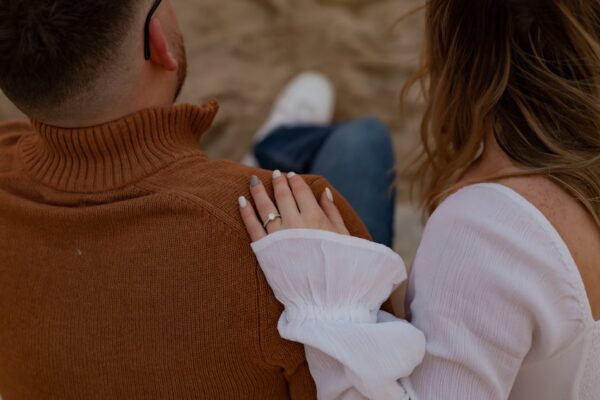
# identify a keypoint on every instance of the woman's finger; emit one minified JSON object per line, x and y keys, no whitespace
{"x":284,"y":197}
{"x":253,"y":224}
{"x":332,"y":212}
{"x":264,"y":205}
{"x":305,"y":197}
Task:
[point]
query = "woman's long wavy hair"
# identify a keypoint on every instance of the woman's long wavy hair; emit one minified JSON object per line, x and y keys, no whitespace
{"x":526,"y":70}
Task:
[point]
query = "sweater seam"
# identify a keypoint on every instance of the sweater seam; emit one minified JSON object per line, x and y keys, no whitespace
{"x":199,"y":202}
{"x":194,"y":200}
{"x":259,"y":323}
{"x":191,"y":198}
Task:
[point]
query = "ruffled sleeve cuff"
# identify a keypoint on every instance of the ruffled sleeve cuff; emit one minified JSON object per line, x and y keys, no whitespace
{"x":327,"y":276}
{"x":332,"y":287}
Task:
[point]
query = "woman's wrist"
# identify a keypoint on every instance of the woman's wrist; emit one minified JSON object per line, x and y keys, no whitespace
{"x":324,"y":276}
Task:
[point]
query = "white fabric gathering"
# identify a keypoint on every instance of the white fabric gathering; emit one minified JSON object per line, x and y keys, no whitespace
{"x":499,"y":309}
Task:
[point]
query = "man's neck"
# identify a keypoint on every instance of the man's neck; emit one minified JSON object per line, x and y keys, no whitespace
{"x":93,"y":116}
{"x":154,"y":90}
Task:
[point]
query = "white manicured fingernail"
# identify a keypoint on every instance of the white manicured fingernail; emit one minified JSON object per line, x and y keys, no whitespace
{"x":329,"y":194}
{"x":276,"y":174}
{"x":243,"y":202}
{"x":291,"y":174}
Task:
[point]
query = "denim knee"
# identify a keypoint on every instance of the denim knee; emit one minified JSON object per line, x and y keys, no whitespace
{"x":365,"y":137}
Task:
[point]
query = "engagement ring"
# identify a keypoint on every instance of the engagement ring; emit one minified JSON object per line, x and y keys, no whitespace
{"x":270,"y":218}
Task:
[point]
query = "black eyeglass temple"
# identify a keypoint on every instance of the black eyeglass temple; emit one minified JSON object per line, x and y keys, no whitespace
{"x":147,"y":54}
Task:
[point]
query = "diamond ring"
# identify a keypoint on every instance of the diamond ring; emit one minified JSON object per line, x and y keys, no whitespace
{"x":270,"y":218}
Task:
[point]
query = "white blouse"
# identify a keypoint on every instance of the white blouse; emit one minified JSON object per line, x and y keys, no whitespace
{"x":494,"y":290}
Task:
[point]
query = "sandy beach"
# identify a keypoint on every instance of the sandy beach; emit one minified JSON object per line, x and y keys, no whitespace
{"x":242,"y":52}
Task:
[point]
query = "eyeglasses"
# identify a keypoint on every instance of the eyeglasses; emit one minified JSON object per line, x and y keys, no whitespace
{"x":147,"y":54}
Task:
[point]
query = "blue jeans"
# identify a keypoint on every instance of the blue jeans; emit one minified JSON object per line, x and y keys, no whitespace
{"x":355,"y":157}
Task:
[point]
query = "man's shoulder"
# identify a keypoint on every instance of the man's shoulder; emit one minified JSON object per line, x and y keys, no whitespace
{"x":217,"y":185}
{"x":216,"y":181}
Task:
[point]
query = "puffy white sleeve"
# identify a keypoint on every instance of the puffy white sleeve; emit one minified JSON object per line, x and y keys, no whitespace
{"x":491,"y":290}
{"x":332,"y":287}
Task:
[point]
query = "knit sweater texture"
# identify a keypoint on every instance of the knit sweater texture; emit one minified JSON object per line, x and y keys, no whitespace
{"x":126,"y":272}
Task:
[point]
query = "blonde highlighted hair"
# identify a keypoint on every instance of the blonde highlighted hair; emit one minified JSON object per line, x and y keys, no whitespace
{"x":526,"y":70}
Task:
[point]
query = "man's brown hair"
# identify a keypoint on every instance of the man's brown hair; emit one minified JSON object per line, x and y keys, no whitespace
{"x":51,"y":50}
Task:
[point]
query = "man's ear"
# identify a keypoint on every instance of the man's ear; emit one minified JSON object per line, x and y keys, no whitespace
{"x":159,"y":47}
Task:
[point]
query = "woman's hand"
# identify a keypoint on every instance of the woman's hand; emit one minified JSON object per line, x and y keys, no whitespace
{"x":297,"y":208}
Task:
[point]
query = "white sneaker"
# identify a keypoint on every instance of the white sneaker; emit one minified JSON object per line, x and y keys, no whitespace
{"x":309,"y":99}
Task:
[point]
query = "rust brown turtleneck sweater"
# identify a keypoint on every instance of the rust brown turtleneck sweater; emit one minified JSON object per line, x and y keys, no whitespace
{"x":125,"y":271}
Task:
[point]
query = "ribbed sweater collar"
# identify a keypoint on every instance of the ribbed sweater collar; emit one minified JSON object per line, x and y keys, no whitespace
{"x":115,"y":154}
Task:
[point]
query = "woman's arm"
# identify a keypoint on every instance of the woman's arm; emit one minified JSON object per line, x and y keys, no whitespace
{"x":332,"y":298}
{"x":480,"y":291}
{"x":333,"y":307}
{"x":492,"y":292}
